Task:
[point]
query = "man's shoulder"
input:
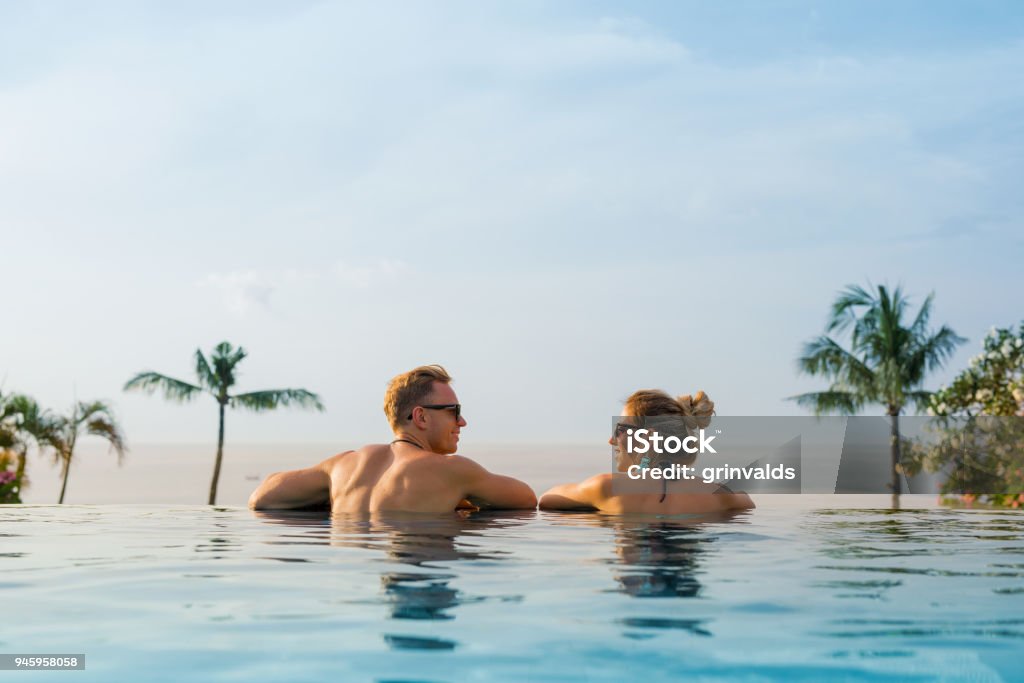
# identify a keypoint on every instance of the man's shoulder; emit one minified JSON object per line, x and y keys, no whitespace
{"x":454,"y":466}
{"x":345,"y":456}
{"x":460,"y":462}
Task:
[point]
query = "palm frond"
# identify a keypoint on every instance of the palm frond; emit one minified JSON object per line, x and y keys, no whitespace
{"x":939,"y":348}
{"x":174,"y":389}
{"x":22,"y":406}
{"x":85,"y":410}
{"x":237,"y":356}
{"x":920,"y":398}
{"x":824,"y":356}
{"x":843,"y":312}
{"x":919,"y":328}
{"x":31,"y":423}
{"x":225,"y":358}
{"x":106,"y":427}
{"x":832,"y":401}
{"x":206,"y":376}
{"x":892,"y":305}
{"x":61,"y":437}
{"x":276,"y":398}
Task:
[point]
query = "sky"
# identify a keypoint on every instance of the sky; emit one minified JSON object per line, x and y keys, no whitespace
{"x":561,"y":202}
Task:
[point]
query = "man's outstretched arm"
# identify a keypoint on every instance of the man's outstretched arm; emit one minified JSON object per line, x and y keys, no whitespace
{"x":494,"y":491}
{"x":295,"y":488}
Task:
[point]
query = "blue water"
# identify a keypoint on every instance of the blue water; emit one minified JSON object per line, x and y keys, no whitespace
{"x":175,"y":593}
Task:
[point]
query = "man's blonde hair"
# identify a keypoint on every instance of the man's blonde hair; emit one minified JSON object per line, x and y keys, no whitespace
{"x":408,"y":390}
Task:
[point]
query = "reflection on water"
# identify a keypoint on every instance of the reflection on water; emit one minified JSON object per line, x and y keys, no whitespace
{"x":657,"y":559}
{"x":221,"y":539}
{"x":418,"y":643}
{"x":694,"y":626}
{"x":910,"y":547}
{"x":420,"y":542}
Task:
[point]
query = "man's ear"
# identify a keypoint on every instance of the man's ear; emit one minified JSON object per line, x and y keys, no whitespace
{"x":418,"y":419}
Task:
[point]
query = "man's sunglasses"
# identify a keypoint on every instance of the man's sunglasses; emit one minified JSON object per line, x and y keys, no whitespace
{"x":443,"y":406}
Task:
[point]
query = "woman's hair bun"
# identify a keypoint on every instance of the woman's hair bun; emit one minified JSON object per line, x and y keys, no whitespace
{"x":697,"y":409}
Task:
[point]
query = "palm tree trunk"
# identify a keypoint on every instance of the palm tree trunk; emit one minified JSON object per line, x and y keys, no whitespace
{"x":220,"y":454}
{"x":894,"y":451}
{"x":64,"y":474}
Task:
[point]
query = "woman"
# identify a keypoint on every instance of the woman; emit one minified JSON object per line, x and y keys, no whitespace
{"x":672,"y":416}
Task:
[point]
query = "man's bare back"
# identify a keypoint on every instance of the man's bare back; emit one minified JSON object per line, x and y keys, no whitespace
{"x":414,"y":473}
{"x":403,"y":477}
{"x":392,"y":477}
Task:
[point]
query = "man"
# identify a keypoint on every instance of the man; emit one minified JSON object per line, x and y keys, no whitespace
{"x":416,"y":472}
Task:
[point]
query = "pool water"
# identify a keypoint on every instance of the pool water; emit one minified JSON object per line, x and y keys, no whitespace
{"x":225,"y":594}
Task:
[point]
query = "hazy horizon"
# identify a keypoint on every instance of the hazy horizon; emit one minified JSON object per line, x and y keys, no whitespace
{"x":174,"y":474}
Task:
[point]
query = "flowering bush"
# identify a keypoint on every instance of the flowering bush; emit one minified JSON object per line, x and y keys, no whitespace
{"x":10,"y":486}
{"x":993,"y":384}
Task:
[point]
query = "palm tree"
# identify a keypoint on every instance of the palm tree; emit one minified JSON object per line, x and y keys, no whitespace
{"x":886,"y":363}
{"x":95,"y":418}
{"x":216,"y":378}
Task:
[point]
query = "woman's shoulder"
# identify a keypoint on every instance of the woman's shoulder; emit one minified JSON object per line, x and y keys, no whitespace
{"x":599,"y":483}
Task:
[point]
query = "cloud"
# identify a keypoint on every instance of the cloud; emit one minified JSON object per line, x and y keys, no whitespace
{"x":244,"y":291}
{"x":362,"y":277}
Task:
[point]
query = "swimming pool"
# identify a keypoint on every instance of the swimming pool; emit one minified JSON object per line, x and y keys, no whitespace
{"x":225,"y":594}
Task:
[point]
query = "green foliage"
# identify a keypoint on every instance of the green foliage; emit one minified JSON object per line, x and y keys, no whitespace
{"x":982,"y":456}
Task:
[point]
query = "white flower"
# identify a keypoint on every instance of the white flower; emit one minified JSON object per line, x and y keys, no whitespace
{"x":1020,"y":343}
{"x":975,"y":360}
{"x":931,"y":411}
{"x":983,"y":395}
{"x":1018,"y":394}
{"x":942,"y":408}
